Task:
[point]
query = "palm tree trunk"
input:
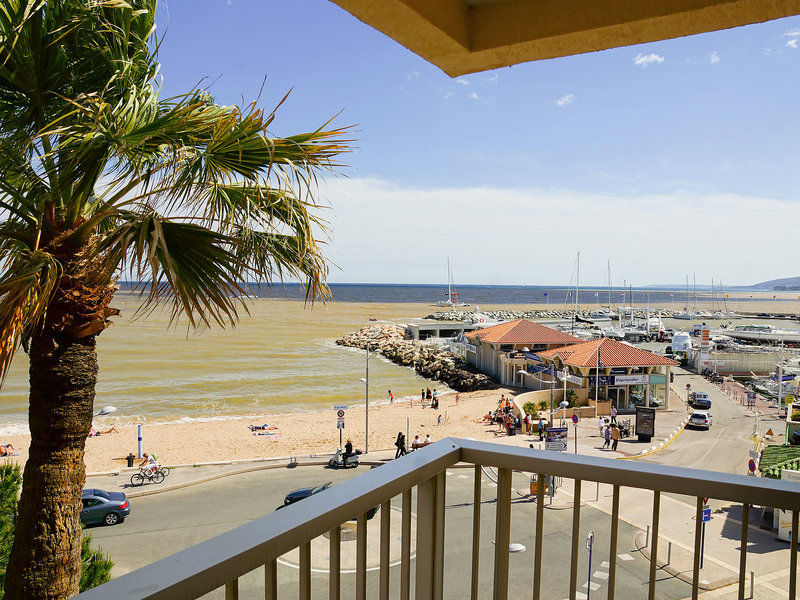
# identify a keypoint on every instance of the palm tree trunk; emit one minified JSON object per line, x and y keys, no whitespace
{"x":45,"y":558}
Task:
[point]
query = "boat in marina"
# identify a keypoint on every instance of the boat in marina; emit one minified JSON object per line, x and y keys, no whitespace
{"x":762,"y":333}
{"x":452,"y":295}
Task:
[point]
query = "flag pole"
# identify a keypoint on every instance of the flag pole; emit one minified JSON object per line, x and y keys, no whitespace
{"x":597,"y":382}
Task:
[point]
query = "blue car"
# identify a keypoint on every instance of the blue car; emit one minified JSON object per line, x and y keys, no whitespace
{"x":104,"y":508}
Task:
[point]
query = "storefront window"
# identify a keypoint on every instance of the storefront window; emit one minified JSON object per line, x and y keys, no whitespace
{"x":636,"y":396}
{"x":658,"y":395}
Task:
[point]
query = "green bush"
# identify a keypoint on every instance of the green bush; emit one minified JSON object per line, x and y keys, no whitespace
{"x":96,"y":566}
{"x":529,"y":408}
{"x":543,"y":404}
{"x":796,"y":415}
{"x":572,"y":398}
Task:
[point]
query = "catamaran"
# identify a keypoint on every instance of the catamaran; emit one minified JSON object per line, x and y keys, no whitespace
{"x":452,"y":295}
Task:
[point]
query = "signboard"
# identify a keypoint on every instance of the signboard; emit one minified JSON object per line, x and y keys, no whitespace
{"x":340,"y":424}
{"x":571,"y":378}
{"x":340,"y":414}
{"x":645,"y":423}
{"x":658,"y":379}
{"x":340,"y":407}
{"x":539,"y":369}
{"x":532,"y":356}
{"x":575,"y":419}
{"x":785,"y":516}
{"x":751,"y":465}
{"x":471,"y":348}
{"x":620,"y":379}
{"x":705,"y":342}
{"x":555,"y":438}
{"x":706,"y":513}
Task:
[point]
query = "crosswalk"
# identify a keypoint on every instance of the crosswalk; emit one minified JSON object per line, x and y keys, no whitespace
{"x":601,"y":575}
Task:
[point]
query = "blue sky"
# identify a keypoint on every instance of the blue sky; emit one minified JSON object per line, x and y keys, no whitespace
{"x":667,"y":158}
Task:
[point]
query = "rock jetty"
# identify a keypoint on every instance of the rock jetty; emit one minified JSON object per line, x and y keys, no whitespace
{"x":395,"y":343}
{"x":510,"y":315}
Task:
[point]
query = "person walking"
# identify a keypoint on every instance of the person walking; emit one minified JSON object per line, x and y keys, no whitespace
{"x":391,"y":397}
{"x":401,"y":445}
{"x":615,"y":437}
{"x":607,"y":436}
{"x":541,"y":430}
{"x":601,"y":423}
{"x":613,"y":414}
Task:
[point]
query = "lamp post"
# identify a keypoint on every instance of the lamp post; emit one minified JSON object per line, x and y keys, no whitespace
{"x":552,"y":372}
{"x":365,"y":381}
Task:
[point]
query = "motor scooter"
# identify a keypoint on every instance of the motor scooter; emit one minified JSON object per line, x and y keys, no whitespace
{"x":337,"y":460}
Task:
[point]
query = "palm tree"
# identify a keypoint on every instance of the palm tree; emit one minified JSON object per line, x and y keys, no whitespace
{"x":100,"y":177}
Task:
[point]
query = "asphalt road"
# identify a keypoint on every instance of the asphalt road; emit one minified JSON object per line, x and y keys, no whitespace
{"x":163,"y":524}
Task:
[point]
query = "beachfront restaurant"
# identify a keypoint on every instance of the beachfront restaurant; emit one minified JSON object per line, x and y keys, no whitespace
{"x":629,"y":376}
{"x":500,"y":350}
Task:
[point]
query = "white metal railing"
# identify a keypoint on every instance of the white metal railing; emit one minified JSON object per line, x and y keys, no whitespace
{"x":221,"y":561}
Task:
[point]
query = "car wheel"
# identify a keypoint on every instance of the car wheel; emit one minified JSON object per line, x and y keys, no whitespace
{"x":111,"y":519}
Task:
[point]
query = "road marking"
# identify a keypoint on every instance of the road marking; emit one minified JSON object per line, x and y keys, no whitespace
{"x":624,"y":557}
{"x":492,"y":484}
{"x":600,"y":575}
{"x":605,"y":564}
{"x":463,"y":476}
{"x":594,"y":586}
{"x":449,"y":472}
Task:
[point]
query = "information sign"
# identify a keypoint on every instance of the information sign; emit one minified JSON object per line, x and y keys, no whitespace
{"x":751,"y":465}
{"x":340,"y":407}
{"x":645,"y":423}
{"x":532,"y":356}
{"x":575,"y":419}
{"x":555,"y":438}
{"x":340,"y":414}
{"x":340,"y":424}
{"x":706,"y":513}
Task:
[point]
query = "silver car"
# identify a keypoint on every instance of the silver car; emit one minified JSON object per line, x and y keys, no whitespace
{"x":700,"y":418}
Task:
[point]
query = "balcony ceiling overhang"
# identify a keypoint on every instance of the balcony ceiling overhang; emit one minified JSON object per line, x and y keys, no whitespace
{"x":468,"y":36}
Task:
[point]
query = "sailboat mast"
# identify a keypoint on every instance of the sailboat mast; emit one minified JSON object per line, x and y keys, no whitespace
{"x":609,"y":285}
{"x":577,"y":289}
{"x":449,"y":282}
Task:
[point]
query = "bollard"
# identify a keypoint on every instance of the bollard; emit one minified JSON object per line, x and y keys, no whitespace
{"x":752,"y":583}
{"x":139,"y":433}
{"x":669,"y":553}
{"x":647,"y":537}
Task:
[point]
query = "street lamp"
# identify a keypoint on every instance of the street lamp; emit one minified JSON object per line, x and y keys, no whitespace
{"x":365,"y":381}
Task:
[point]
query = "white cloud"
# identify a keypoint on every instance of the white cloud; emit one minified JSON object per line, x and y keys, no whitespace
{"x":462,"y":81}
{"x":363,"y":209}
{"x":494,"y":78}
{"x":792,"y":33}
{"x":645,"y":60}
{"x":792,"y":43}
{"x":413,"y":75}
{"x":566,"y":100}
{"x":474,"y":96}
{"x":714,"y":58}
{"x":448,"y":94}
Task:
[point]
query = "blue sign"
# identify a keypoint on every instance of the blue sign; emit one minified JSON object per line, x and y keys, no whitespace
{"x":540,"y":369}
{"x":619,"y":371}
{"x":604,"y":380}
{"x":532,"y":356}
{"x":575,"y":419}
{"x":706,"y":515}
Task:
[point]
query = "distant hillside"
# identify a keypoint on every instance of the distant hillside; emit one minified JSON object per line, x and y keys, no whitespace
{"x":787,"y":283}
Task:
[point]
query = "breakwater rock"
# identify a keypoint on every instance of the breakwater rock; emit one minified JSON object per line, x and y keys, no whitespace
{"x":394,"y":342}
{"x":510,"y":315}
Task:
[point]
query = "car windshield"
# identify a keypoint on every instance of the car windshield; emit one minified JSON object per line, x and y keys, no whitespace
{"x":102,"y":494}
{"x":699,"y":416}
{"x":319,"y":488}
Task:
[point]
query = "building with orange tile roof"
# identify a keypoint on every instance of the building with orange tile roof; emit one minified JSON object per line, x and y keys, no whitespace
{"x":500,"y":350}
{"x":629,"y":376}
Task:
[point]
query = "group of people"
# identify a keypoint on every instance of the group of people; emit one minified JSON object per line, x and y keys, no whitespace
{"x":609,"y":431}
{"x":400,"y":443}
{"x":431,"y":398}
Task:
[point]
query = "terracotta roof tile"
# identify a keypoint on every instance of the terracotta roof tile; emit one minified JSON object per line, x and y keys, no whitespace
{"x":522,"y":331}
{"x":612,"y":354}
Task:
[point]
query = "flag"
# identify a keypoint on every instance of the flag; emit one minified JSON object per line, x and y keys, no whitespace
{"x":727,"y":295}
{"x":774,"y":297}
{"x":545,"y":293}
{"x":622,"y":294}
{"x":569,"y":294}
{"x":672,"y":295}
{"x":597,"y":294}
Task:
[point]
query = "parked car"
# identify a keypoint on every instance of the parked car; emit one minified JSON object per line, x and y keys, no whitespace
{"x":700,"y":418}
{"x":102,"y":507}
{"x":700,"y":400}
{"x":301,"y":493}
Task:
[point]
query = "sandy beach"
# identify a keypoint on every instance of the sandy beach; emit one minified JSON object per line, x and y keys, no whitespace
{"x":298,"y":434}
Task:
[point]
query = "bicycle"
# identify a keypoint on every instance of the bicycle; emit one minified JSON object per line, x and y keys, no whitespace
{"x":139,"y":478}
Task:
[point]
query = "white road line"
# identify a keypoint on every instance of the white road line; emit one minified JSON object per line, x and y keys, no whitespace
{"x":605,"y":564}
{"x":463,"y":476}
{"x":593,"y":585}
{"x":492,"y":484}
{"x":624,"y":557}
{"x":449,"y":472}
{"x":600,"y":575}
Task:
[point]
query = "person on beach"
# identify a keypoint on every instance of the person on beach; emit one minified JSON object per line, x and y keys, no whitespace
{"x":95,"y":432}
{"x":457,"y":398}
{"x":415,"y":444}
{"x":8,"y":450}
{"x":401,"y":445}
{"x":615,"y":436}
{"x":607,"y":436}
{"x":428,"y":439}
{"x":428,"y":394}
{"x":613,"y":414}
{"x":439,"y":420}
{"x":391,"y":397}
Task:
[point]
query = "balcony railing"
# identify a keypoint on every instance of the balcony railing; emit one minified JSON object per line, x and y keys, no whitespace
{"x":221,"y":561}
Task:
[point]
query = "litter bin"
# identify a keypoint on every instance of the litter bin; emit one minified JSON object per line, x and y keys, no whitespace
{"x":130,"y":458}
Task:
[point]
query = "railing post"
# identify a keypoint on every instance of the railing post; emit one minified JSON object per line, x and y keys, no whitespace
{"x":361,"y":557}
{"x":743,"y":549}
{"x":654,"y":545}
{"x":405,"y":548}
{"x":476,"y":532}
{"x":271,"y":579}
{"x":502,"y":536}
{"x":305,"y":572}
{"x":612,"y":551}
{"x":335,"y":564}
{"x":576,"y":535}
{"x":793,"y":557}
{"x":537,"y":553}
{"x":426,"y":539}
{"x":232,"y":590}
{"x":438,"y":556}
{"x":386,"y":516}
{"x":698,"y":528}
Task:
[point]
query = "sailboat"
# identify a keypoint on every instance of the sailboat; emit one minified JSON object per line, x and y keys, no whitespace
{"x":685,"y":314}
{"x":452,"y":295}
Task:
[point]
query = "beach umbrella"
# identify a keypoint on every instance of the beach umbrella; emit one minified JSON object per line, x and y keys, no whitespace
{"x":107,"y":410}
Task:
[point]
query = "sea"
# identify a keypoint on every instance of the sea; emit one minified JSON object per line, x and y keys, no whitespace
{"x":281,"y":356}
